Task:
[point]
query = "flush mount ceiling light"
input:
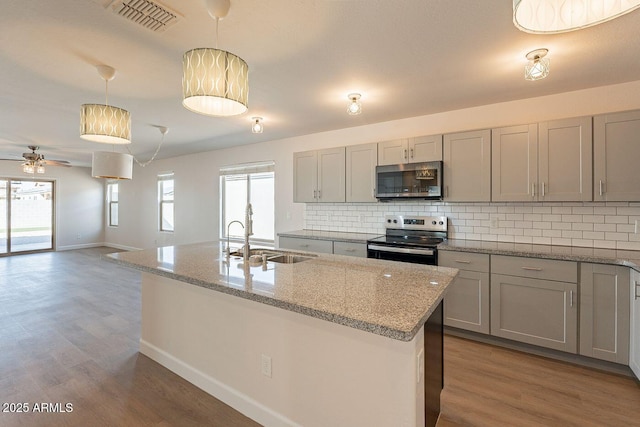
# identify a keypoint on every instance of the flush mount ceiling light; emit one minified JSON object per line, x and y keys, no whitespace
{"x":559,"y":16}
{"x":111,"y":165}
{"x":538,"y":66}
{"x":257,"y":126}
{"x":355,"y":107}
{"x":105,"y":123}
{"x":215,"y":82}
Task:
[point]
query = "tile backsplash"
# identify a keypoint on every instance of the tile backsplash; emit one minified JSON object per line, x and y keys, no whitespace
{"x":588,"y":224}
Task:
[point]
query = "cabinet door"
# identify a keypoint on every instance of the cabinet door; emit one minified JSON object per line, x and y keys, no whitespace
{"x":538,"y":312}
{"x":361,"y":172}
{"x":307,"y":245}
{"x":466,"y":305}
{"x":514,"y":169}
{"x":616,"y":148}
{"x":425,"y":148}
{"x":634,"y":350}
{"x":393,"y":152}
{"x":305,"y":176}
{"x":565,"y":160}
{"x":331,"y":175}
{"x":350,"y":249}
{"x":604,"y":312}
{"x":467,"y":166}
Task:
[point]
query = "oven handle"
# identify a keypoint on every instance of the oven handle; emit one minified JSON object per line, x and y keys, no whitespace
{"x":401,"y":250}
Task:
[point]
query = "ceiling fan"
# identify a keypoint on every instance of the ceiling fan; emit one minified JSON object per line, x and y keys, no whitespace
{"x":35,"y":162}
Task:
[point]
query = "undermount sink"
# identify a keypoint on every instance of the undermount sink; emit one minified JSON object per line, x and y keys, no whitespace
{"x":288,"y":258}
{"x":280,"y":257}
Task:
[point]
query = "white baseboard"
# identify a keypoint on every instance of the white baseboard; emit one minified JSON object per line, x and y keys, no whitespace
{"x":122,"y":247}
{"x":232,"y":397}
{"x":81,"y":246}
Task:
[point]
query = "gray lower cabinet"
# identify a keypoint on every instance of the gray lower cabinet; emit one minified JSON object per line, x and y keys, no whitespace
{"x":350,"y":249}
{"x":307,"y":245}
{"x":466,"y":305}
{"x":634,"y":346}
{"x":531,"y":307}
{"x":323,"y":246}
{"x":604,"y":312}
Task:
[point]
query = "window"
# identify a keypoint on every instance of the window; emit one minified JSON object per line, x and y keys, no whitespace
{"x":165,"y":200}
{"x":248,"y":183}
{"x":112,"y":202}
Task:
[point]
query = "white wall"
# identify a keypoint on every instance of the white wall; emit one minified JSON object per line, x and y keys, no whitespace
{"x":79,"y":215}
{"x":197,"y":180}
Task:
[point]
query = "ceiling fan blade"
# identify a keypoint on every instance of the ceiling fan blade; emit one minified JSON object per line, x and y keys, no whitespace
{"x":14,"y":160}
{"x":56,"y":163}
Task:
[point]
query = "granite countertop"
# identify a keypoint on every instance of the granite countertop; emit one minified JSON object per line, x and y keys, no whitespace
{"x":565,"y":253}
{"x":337,"y":236}
{"x":387,"y":298}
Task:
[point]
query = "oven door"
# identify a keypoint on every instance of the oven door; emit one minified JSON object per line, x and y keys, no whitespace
{"x":428,"y":256}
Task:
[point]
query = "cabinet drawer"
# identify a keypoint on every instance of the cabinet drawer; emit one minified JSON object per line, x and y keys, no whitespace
{"x":350,"y":249}
{"x":535,"y":268}
{"x":464,"y":261}
{"x":308,"y":245}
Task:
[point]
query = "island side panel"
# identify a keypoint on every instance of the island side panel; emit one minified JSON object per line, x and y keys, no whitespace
{"x":322,"y":373}
{"x":433,"y":365}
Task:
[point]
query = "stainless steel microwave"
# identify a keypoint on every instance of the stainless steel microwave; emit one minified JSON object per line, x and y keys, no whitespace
{"x":409,"y":180}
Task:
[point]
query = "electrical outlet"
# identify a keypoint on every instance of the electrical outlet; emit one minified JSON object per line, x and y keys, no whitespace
{"x":420,"y":366}
{"x":266,"y":365}
{"x":495,"y":222}
{"x":78,"y":236}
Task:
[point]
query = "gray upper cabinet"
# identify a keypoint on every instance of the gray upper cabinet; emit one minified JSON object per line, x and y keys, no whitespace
{"x":616,"y":152}
{"x":604,"y":312}
{"x":319,"y":175}
{"x":361,"y":172}
{"x":467,"y":166}
{"x":565,"y":160}
{"x":514,"y":152}
{"x":410,"y":150}
{"x":550,"y":161}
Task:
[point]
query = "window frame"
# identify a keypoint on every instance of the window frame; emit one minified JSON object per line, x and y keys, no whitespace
{"x":111,"y":203}
{"x":247,"y":169}
{"x":162,"y":178}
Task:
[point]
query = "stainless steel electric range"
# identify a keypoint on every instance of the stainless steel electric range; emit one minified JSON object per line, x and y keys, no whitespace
{"x":409,"y":239}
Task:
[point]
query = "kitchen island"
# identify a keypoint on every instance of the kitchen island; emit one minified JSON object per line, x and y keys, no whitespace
{"x":331,"y":340}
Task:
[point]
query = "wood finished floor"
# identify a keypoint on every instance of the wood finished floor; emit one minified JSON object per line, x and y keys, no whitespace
{"x":69,"y":331}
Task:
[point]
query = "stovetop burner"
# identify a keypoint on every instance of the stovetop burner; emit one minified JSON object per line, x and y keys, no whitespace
{"x":413,"y":231}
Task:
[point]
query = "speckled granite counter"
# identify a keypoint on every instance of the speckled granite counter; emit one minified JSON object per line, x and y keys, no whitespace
{"x":382,"y":297}
{"x":566,"y":253}
{"x":336,"y":236}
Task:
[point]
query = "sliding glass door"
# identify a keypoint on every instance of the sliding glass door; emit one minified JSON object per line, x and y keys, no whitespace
{"x":26,"y":220}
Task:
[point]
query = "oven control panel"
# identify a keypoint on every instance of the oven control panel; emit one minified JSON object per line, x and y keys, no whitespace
{"x":410,"y":222}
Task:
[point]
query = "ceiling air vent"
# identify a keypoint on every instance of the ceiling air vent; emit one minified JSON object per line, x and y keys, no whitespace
{"x":149,"y":14}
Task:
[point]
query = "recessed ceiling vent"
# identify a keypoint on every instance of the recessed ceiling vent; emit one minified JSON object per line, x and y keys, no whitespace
{"x":149,"y":14}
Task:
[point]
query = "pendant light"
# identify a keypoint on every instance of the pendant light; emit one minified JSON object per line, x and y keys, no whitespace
{"x":559,"y":16}
{"x":105,"y":123}
{"x":215,"y":82}
{"x":111,"y":165}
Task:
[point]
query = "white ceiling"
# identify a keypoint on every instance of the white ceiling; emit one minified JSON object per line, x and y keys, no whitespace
{"x":406,"y":57}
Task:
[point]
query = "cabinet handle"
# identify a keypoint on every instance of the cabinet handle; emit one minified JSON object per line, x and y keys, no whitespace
{"x":304,"y":246}
{"x":349,"y":250}
{"x":412,"y":153}
{"x":637,"y":288}
{"x":446,"y":191}
{"x":543,"y":185}
{"x":462,"y":261}
{"x":405,"y":154}
{"x":314,"y":194}
{"x":601,"y":191}
{"x":571,"y":298}
{"x":373,"y":193}
{"x":319,"y":194}
{"x":533,"y":189}
{"x":532,"y":268}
